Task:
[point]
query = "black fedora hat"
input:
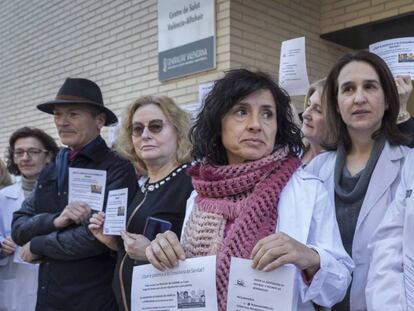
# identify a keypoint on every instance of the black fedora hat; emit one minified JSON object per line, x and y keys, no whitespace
{"x":79,"y":91}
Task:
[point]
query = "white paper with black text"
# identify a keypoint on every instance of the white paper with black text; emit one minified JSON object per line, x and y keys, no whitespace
{"x":251,"y":289}
{"x":86,"y":185}
{"x":191,"y":286}
{"x":397,"y":53}
{"x":293,"y":75}
{"x":115,"y":212}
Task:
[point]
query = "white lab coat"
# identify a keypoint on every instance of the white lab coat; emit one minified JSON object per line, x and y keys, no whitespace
{"x":380,"y":193}
{"x":306,"y":214}
{"x":18,"y":281}
{"x":387,"y":289}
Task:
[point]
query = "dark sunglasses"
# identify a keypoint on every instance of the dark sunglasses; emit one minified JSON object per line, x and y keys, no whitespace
{"x":154,"y":126}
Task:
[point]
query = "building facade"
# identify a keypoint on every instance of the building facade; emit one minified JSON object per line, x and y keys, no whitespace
{"x":114,"y":43}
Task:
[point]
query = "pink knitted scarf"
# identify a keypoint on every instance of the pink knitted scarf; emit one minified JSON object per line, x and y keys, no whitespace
{"x":236,"y":206}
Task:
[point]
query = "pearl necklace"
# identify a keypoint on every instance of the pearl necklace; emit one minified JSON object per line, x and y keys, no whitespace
{"x":153,"y":186}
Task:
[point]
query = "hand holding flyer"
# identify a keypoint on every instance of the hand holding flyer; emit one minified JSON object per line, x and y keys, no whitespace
{"x":189,"y":286}
{"x":17,"y":258}
{"x":115,"y":213}
{"x":251,"y":289}
{"x":398,"y":54}
{"x":86,"y":185}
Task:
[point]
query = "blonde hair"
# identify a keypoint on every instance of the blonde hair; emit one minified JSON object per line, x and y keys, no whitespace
{"x":5,"y":178}
{"x":175,"y":115}
{"x":316,"y":86}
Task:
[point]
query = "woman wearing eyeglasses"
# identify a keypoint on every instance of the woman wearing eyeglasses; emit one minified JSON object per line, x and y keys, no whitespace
{"x":154,"y":138}
{"x":30,"y":149}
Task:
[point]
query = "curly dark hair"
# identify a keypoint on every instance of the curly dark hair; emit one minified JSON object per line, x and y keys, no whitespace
{"x":47,"y":141}
{"x":337,"y":129}
{"x":227,"y":92}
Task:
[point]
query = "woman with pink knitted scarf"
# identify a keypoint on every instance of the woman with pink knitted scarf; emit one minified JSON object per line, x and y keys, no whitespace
{"x":252,"y":200}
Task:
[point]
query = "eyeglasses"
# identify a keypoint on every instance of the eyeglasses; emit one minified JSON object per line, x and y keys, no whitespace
{"x":154,"y":126}
{"x":31,"y":152}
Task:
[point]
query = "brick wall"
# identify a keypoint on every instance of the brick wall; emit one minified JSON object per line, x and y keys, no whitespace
{"x":258,"y":27}
{"x":339,"y":14}
{"x":111,"y":42}
{"x":114,"y":42}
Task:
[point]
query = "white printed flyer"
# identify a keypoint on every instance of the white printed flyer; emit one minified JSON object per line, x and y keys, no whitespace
{"x":115,"y":213}
{"x":398,"y":54}
{"x":86,"y":185}
{"x":251,"y":289}
{"x":190,"y":286}
{"x":293,"y":76}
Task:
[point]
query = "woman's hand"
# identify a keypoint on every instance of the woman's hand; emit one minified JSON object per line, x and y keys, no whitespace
{"x":135,"y":245}
{"x":27,"y":255}
{"x":8,"y":247}
{"x":165,"y":251}
{"x":95,"y":226}
{"x":404,"y":88}
{"x":278,"y":249}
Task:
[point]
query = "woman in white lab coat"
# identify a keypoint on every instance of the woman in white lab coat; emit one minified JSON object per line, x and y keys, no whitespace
{"x":362,"y":169}
{"x":390,"y":283}
{"x":254,"y":199}
{"x":30,"y":149}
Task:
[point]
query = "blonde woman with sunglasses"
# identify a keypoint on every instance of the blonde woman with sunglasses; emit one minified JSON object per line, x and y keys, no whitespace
{"x":154,"y":138}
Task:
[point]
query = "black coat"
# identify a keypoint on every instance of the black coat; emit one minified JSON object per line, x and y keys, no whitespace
{"x":76,"y":270}
{"x":167,"y":202}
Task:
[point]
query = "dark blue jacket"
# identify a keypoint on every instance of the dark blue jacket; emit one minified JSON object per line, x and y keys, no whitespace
{"x":76,"y":270}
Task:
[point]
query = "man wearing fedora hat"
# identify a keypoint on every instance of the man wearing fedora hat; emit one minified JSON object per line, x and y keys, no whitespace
{"x":76,"y":270}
